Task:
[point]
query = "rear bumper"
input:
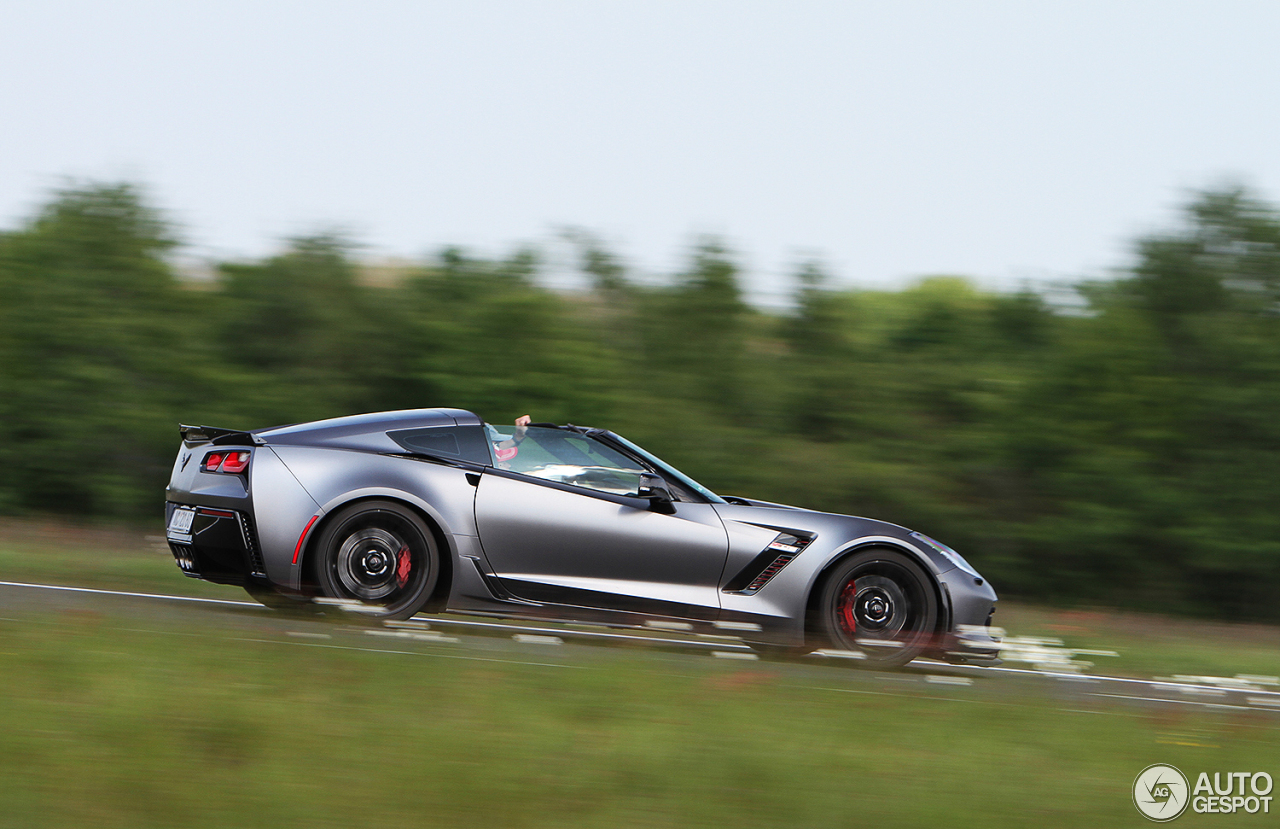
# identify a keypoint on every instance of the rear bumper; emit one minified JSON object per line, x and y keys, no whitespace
{"x":221,"y":546}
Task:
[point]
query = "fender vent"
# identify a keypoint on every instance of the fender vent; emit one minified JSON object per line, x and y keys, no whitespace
{"x":768,"y":564}
{"x":256,"y":565}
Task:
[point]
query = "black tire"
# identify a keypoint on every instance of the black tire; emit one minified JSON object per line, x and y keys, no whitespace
{"x":380,"y":554}
{"x":881,"y":603}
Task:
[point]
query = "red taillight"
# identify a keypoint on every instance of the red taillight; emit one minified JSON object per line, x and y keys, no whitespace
{"x":235,"y":462}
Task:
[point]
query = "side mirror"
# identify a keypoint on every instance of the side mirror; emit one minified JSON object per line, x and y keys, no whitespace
{"x":655,"y":489}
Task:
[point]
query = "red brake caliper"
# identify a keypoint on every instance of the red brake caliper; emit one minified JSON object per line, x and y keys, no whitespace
{"x":846,"y":607}
{"x":402,"y":566}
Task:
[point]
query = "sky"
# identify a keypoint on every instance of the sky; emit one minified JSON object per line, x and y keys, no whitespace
{"x":1009,"y":142}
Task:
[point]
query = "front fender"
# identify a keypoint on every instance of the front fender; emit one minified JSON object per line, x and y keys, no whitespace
{"x":781,"y":606}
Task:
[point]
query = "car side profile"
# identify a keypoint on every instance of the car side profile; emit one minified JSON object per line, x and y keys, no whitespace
{"x":434,"y":510}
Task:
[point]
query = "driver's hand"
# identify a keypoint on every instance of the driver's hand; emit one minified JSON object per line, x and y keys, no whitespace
{"x":522,"y":423}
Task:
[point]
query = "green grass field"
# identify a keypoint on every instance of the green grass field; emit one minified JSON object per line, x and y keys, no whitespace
{"x":107,"y":726}
{"x":111,"y":718}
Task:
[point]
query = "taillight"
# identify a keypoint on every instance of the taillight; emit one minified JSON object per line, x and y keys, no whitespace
{"x":233,"y":462}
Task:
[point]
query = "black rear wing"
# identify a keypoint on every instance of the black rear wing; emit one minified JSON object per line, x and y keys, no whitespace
{"x":195,"y":435}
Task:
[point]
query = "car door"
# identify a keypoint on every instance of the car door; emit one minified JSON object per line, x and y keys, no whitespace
{"x":560,"y":528}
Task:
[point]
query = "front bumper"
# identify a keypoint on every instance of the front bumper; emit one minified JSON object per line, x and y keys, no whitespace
{"x":970,"y":603}
{"x":971,"y":646}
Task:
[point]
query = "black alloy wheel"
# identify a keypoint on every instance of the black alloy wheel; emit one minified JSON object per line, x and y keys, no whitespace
{"x":881,"y":603}
{"x":381,"y":555}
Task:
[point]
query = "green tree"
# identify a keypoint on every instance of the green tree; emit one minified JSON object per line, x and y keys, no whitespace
{"x":1152,"y":440}
{"x":695,"y":333}
{"x":90,"y":354}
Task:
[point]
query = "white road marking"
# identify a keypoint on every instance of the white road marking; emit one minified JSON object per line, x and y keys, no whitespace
{"x":127,"y":593}
{"x":737,"y":625}
{"x":342,"y":603}
{"x":1158,"y":684}
{"x":408,"y":624}
{"x":1260,"y":699}
{"x":537,"y":639}
{"x":417,"y":636}
{"x":1173,"y":701}
{"x":658,"y":624}
{"x":428,"y":654}
{"x":587,"y":634}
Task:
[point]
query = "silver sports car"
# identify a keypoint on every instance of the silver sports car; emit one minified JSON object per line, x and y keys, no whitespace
{"x":434,"y":510}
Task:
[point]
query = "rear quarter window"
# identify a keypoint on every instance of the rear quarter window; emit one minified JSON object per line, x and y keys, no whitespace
{"x":465,"y":443}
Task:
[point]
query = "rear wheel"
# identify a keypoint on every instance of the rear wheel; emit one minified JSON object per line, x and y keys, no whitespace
{"x":381,"y":555}
{"x":881,"y":603}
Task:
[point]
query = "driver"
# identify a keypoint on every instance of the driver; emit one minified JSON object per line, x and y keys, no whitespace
{"x":506,"y":449}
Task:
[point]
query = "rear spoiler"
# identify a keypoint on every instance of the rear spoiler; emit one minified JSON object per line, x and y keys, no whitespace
{"x":193,"y":435}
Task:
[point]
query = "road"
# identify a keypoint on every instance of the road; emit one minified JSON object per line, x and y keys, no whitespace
{"x":562,"y":646}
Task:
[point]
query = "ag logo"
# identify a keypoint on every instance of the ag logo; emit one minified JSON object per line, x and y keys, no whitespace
{"x":1160,"y":792}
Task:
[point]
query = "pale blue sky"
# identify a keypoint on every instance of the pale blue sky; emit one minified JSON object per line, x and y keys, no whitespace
{"x":1000,"y":140}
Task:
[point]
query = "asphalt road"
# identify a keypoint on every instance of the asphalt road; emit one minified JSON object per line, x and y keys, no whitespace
{"x":560,"y":646}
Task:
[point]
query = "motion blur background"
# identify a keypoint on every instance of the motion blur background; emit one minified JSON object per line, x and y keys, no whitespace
{"x":716,"y":228}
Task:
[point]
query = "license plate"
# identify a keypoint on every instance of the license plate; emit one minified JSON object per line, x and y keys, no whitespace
{"x":180,"y":521}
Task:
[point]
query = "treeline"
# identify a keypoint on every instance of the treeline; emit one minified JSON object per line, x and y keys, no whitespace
{"x":1122,"y":452}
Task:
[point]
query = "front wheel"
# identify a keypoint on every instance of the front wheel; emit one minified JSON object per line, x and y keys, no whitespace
{"x":881,"y":603}
{"x":381,"y":555}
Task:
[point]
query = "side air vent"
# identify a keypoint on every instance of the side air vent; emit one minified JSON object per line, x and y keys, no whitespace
{"x":768,"y":564}
{"x":256,"y":565}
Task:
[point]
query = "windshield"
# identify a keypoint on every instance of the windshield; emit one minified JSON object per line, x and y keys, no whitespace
{"x":669,"y":470}
{"x":583,"y":458}
{"x":565,"y":457}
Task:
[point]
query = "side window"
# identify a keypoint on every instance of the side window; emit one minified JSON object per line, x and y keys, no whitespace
{"x":567,"y":458}
{"x":465,"y":443}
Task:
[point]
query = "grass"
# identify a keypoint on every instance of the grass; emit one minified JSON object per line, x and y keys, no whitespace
{"x":112,"y":719}
{"x":104,"y":725}
{"x":1150,"y":645}
{"x":52,"y":552}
